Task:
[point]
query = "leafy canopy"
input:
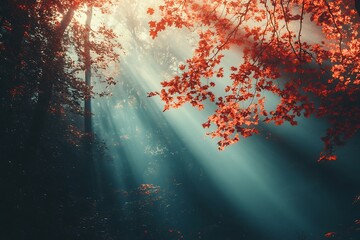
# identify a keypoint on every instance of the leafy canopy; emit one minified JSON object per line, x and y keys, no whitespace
{"x":311,"y":75}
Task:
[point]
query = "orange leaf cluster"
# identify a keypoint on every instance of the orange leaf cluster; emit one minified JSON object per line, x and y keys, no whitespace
{"x":147,"y":189}
{"x":320,"y":77}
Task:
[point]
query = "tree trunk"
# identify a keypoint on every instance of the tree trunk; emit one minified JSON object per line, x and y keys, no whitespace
{"x":89,"y":161}
{"x":45,"y":90}
{"x":40,"y":114}
{"x":87,"y":109}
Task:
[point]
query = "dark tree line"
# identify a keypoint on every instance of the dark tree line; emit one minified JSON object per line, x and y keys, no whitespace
{"x":46,"y":174}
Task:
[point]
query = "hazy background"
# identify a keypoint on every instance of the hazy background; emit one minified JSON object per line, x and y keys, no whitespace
{"x":265,"y":187}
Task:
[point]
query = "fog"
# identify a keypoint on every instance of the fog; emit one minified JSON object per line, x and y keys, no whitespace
{"x":264,"y":187}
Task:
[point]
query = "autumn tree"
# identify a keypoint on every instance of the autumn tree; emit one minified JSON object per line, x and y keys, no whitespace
{"x":43,"y":47}
{"x":309,"y":75}
{"x":42,"y":93}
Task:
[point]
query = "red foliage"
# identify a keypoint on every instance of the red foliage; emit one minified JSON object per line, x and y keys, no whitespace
{"x":150,"y":11}
{"x":320,"y":77}
{"x":18,"y":90}
{"x":330,"y":234}
{"x":147,"y":189}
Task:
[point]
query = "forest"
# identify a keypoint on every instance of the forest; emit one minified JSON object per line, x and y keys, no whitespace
{"x":180,"y":119}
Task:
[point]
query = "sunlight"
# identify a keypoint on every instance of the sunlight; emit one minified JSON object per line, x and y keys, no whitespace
{"x":241,"y":180}
{"x":180,"y":120}
{"x":257,"y":177}
{"x":97,"y":18}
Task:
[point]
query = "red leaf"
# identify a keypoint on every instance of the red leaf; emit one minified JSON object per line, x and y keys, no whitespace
{"x":150,"y":11}
{"x":330,"y":234}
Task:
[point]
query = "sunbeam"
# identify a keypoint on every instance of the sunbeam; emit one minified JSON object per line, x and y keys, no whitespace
{"x":180,"y":119}
{"x":269,"y":183}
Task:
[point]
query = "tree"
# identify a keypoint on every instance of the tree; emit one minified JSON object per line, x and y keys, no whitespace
{"x":42,"y":92}
{"x":43,"y":47}
{"x":310,"y":76}
{"x":50,"y":66}
{"x":87,"y":108}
